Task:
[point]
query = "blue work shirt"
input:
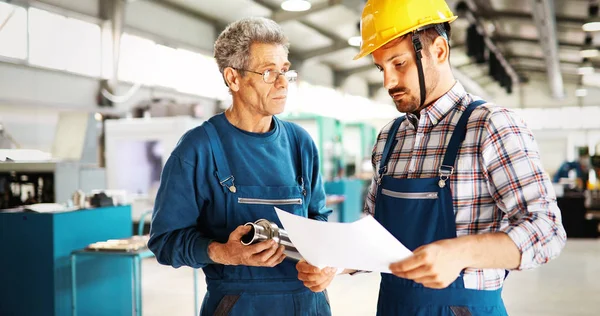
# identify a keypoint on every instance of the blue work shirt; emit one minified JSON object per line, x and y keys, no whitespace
{"x":190,"y":201}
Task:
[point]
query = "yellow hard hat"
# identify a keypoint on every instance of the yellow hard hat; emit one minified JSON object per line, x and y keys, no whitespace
{"x":385,"y":20}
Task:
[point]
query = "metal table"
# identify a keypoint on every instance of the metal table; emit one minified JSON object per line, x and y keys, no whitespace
{"x":136,"y":260}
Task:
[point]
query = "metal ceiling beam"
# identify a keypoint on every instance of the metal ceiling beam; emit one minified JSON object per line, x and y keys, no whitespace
{"x":357,"y":70}
{"x":336,"y":46}
{"x":192,"y":13}
{"x":217,"y":24}
{"x":527,"y":57}
{"x":526,"y":16}
{"x":113,"y":13}
{"x":504,"y":39}
{"x":282,"y":15}
{"x":338,"y":42}
{"x":489,"y":43}
{"x":545,"y":22}
{"x":325,"y":32}
{"x":523,"y":69}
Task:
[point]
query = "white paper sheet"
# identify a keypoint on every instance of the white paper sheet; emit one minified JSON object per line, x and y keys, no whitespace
{"x":48,"y":208}
{"x":361,"y":245}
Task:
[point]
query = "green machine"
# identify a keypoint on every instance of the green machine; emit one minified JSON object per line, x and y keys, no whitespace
{"x":332,"y":138}
{"x":327,"y":134}
{"x":358,"y":154}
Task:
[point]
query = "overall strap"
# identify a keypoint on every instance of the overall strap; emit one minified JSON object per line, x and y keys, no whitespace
{"x":292,"y":134}
{"x":458,"y":136}
{"x":390,"y":143}
{"x":222,"y":173}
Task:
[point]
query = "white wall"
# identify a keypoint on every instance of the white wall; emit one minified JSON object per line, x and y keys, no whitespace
{"x":23,"y":84}
{"x":31,"y":127}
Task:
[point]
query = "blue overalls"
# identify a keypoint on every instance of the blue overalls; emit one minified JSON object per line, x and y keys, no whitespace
{"x":418,"y":212}
{"x":244,"y":290}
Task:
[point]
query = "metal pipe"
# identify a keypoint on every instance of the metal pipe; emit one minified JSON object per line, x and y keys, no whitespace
{"x":263,"y":229}
{"x":545,"y":21}
{"x":493,"y":48}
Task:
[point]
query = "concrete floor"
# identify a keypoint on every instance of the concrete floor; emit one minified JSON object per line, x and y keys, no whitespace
{"x":569,"y":286}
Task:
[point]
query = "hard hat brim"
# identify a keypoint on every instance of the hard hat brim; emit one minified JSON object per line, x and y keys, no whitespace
{"x":366,"y":50}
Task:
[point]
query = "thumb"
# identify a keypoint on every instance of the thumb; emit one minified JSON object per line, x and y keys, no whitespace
{"x":330,"y":270}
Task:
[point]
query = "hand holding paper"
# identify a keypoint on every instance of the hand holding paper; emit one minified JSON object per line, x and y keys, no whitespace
{"x":362,"y":245}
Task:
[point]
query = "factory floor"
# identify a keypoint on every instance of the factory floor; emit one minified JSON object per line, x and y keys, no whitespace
{"x":570,"y":285}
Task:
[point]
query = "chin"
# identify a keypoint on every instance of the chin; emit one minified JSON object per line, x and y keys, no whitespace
{"x":276,"y":109}
{"x":405,"y":108}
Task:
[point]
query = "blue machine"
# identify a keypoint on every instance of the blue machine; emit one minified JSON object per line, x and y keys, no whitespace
{"x":351,"y":209}
{"x":35,"y":276}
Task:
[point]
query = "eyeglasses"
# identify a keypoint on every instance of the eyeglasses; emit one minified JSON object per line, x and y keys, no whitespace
{"x":272,"y":76}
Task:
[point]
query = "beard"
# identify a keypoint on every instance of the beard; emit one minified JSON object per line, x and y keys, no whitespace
{"x":406,"y":103}
{"x":410,"y":102}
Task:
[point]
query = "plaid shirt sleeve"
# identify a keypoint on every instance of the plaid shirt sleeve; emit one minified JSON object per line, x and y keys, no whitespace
{"x":520,"y":188}
{"x":369,"y":207}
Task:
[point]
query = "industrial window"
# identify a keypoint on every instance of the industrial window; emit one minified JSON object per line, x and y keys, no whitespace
{"x":84,"y":46}
{"x":212,"y":79}
{"x":137,"y":60}
{"x":193,"y":75}
{"x":64,"y":43}
{"x":13,"y":31}
{"x":166,"y":67}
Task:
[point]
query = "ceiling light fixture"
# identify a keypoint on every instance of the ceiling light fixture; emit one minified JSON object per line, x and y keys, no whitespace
{"x":581,"y":93}
{"x":589,"y":53}
{"x":585,"y":70}
{"x":586,"y":67}
{"x":295,"y":5}
{"x":591,"y":27}
{"x":355,"y":41}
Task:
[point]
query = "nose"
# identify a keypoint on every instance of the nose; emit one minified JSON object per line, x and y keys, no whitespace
{"x":390,"y":79}
{"x":281,"y":82}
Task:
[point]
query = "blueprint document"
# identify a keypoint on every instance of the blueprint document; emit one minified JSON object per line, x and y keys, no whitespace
{"x":361,"y":245}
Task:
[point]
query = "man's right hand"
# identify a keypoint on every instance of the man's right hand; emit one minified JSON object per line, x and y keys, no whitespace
{"x":262,"y":254}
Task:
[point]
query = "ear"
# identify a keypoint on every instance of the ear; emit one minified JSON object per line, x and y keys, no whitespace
{"x":232,"y":78}
{"x":440,"y":50}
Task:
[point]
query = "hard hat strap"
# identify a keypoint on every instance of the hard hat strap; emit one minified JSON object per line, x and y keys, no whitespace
{"x":418,"y":46}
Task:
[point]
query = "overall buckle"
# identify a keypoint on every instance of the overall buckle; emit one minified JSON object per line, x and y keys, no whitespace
{"x":445,"y":173}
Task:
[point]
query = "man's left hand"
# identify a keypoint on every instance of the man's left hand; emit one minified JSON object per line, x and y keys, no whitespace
{"x":314,"y":278}
{"x":435,"y":265}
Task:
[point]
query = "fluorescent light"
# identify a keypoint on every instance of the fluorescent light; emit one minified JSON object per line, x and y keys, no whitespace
{"x":586,"y":70}
{"x":589,"y":53}
{"x":295,"y":5}
{"x":580,"y":92}
{"x":591,"y":27}
{"x":355,"y":41}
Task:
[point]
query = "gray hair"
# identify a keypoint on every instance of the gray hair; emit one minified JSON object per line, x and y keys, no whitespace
{"x":232,"y":48}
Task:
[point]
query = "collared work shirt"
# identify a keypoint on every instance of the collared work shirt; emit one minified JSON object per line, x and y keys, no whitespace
{"x":498,"y":184}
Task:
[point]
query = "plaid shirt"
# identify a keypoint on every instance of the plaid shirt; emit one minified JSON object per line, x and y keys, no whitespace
{"x":498,"y":184}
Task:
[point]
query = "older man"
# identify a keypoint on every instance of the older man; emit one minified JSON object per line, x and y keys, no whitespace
{"x":234,"y":169}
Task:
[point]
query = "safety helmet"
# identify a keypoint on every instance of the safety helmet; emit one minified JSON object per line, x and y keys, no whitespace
{"x":385,"y":20}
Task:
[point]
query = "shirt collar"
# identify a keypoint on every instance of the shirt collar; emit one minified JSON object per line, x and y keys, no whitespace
{"x":438,"y":110}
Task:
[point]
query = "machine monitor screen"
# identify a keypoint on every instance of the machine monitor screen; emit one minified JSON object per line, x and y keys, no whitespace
{"x":139,"y":165}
